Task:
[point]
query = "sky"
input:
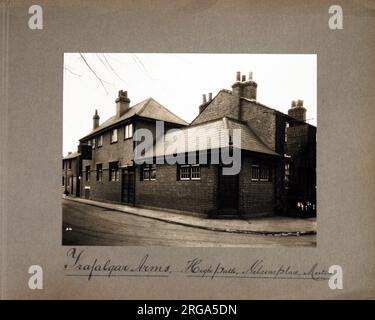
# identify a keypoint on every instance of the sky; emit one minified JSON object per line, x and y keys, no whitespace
{"x":177,"y":81}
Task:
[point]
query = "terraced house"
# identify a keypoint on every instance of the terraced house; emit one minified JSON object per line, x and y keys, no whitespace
{"x":278,"y":157}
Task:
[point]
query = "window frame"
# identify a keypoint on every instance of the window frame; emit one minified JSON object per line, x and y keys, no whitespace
{"x":112,"y":140}
{"x":114,"y":171}
{"x":148,"y":169}
{"x":184,"y":166}
{"x":189,"y":171}
{"x":261,"y":171}
{"x":126,"y":131}
{"x":99,"y":143}
{"x":99,"y":172}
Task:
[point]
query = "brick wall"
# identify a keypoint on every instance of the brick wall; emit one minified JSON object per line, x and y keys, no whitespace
{"x":262,"y":121}
{"x":168,"y":192}
{"x":102,"y":190}
{"x":256,"y":197}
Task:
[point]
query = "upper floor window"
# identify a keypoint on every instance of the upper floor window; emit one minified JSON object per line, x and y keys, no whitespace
{"x":260,"y":173}
{"x":128,"y":131}
{"x":114,"y":136}
{"x":69,"y":164}
{"x":89,"y":142}
{"x":88,"y":173}
{"x":149,"y":172}
{"x":114,"y":174}
{"x":94,"y":143}
{"x":100,"y":141}
{"x":190,"y":172}
{"x":99,"y":172}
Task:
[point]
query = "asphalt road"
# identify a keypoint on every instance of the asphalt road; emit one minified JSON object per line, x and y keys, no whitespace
{"x":89,"y":225}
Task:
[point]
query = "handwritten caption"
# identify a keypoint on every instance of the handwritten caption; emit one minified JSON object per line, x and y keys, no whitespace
{"x":82,"y":265}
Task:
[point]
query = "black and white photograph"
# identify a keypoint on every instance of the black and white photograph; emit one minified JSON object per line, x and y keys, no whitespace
{"x":204,"y":151}
{"x":189,"y":150}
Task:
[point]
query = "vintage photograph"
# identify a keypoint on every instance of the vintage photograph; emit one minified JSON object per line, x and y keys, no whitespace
{"x":189,"y":150}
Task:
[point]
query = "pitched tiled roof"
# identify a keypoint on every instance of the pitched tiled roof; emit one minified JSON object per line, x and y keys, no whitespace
{"x":71,"y":155}
{"x":148,"y":108}
{"x":210,"y":135}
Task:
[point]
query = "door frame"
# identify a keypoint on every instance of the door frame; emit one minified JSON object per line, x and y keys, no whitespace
{"x":132,"y":170}
{"x":237,"y":196}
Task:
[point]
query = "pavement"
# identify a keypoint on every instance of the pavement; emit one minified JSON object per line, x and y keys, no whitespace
{"x":274,"y":225}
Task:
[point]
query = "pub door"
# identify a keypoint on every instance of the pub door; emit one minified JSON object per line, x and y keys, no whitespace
{"x":128,"y":186}
{"x":228,"y":192}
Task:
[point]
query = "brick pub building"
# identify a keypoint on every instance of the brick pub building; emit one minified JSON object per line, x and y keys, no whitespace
{"x":278,"y":158}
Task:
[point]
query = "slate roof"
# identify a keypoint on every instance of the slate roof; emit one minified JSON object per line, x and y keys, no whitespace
{"x":210,"y":135}
{"x":72,"y":155}
{"x":148,"y":108}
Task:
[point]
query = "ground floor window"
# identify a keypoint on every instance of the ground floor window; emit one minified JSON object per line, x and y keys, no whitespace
{"x":99,"y":172}
{"x":114,"y":173}
{"x":190,"y":172}
{"x":148,"y":172}
{"x":63,"y":181}
{"x":260,"y":173}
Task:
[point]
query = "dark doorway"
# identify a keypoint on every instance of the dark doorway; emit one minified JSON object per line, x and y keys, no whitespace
{"x":87,"y":193}
{"x":128,"y":186}
{"x":228,"y":192}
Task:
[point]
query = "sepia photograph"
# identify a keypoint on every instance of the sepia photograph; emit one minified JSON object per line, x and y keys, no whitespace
{"x":149,"y":146}
{"x":194,"y":150}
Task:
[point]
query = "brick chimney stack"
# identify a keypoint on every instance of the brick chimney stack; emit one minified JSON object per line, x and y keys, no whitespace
{"x":95,"y":118}
{"x":245,"y":88}
{"x":250,"y":88}
{"x":122,"y":103}
{"x":297,"y":110}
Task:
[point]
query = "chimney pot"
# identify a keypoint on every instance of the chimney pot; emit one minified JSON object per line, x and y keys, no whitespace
{"x":297,"y":110}
{"x":204,"y":99}
{"x":250,"y":75}
{"x":210,"y":96}
{"x":243,"y":78}
{"x":95,"y":120}
{"x":238,"y":76}
{"x":122,"y":103}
